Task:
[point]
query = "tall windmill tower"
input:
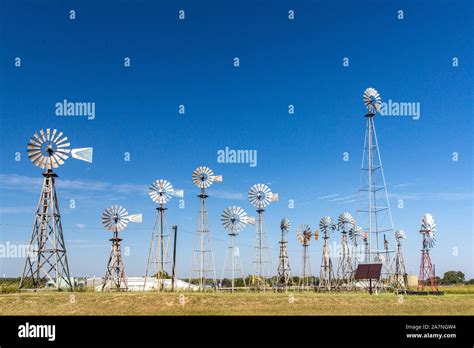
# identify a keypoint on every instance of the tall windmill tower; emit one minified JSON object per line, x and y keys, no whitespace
{"x":401,"y":281}
{"x":374,"y":212}
{"x":427,"y":269}
{"x":326,"y":272}
{"x":284,"y":279}
{"x":345,"y":272}
{"x":304,"y":234}
{"x":115,"y":219}
{"x":47,"y":256}
{"x":203,"y":259}
{"x":260,"y":196}
{"x":234,"y":219}
{"x":160,"y":191}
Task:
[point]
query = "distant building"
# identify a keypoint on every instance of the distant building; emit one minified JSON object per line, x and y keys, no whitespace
{"x":138,"y":284}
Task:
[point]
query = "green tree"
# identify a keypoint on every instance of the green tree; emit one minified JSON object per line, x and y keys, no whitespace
{"x":453,"y":277}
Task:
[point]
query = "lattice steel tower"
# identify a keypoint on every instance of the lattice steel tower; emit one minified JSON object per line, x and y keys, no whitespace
{"x":374,"y":213}
{"x":158,"y":262}
{"x":326,"y":272}
{"x":115,"y":219}
{"x":203,"y":259}
{"x":47,"y":256}
{"x":234,"y":219}
{"x":284,"y":279}
{"x":260,"y":196}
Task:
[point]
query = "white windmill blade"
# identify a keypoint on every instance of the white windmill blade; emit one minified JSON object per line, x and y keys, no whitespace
{"x":251,"y":220}
{"x":83,"y":154}
{"x":137,"y":218}
{"x":216,"y":178}
{"x":177,"y":193}
{"x":275,"y":197}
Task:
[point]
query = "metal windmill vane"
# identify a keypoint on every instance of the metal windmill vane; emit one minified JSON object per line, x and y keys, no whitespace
{"x":304,"y":234}
{"x":203,"y":267}
{"x":284,"y":279}
{"x":260,"y":196}
{"x":48,"y":149}
{"x":116,"y":218}
{"x":372,"y":100}
{"x":203,"y":177}
{"x":428,"y":229}
{"x":160,"y":191}
{"x":234,"y":219}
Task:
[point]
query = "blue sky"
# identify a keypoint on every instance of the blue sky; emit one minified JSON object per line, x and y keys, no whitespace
{"x":282,"y":62}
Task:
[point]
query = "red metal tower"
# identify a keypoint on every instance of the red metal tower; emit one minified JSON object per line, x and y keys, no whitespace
{"x":427,"y":269}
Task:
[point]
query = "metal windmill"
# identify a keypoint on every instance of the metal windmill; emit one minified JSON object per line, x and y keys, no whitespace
{"x":374,"y":212}
{"x":202,"y":266}
{"x":47,"y":256}
{"x":401,"y":281}
{"x":345,"y":272}
{"x":158,"y":263}
{"x":304,"y":234}
{"x":326,"y":272}
{"x":284,"y":279}
{"x":355,"y":235}
{"x":260,"y":196}
{"x":234,"y":219}
{"x":427,"y":269}
{"x":115,"y":219}
{"x":366,"y":248}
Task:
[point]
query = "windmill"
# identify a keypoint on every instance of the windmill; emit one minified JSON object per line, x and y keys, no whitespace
{"x":355,"y":234}
{"x":47,"y":256}
{"x":260,"y":196}
{"x":284,"y":279}
{"x":160,"y":191}
{"x":115,"y":219}
{"x":427,"y":269}
{"x":203,"y":260}
{"x":401,"y":281}
{"x":345,"y":272}
{"x":326,"y":272}
{"x":304,"y":234}
{"x":234,"y":219}
{"x":374,"y":212}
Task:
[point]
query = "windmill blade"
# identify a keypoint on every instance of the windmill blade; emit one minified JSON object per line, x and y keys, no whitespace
{"x":83,"y":154}
{"x":137,"y":218}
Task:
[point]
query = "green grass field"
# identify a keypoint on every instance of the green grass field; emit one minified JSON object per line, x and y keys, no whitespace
{"x":299,"y":303}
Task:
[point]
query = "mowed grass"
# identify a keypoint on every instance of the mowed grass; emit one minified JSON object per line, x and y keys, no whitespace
{"x":298,"y":303}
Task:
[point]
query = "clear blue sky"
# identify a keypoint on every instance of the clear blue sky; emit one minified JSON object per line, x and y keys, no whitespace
{"x":282,"y":62}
